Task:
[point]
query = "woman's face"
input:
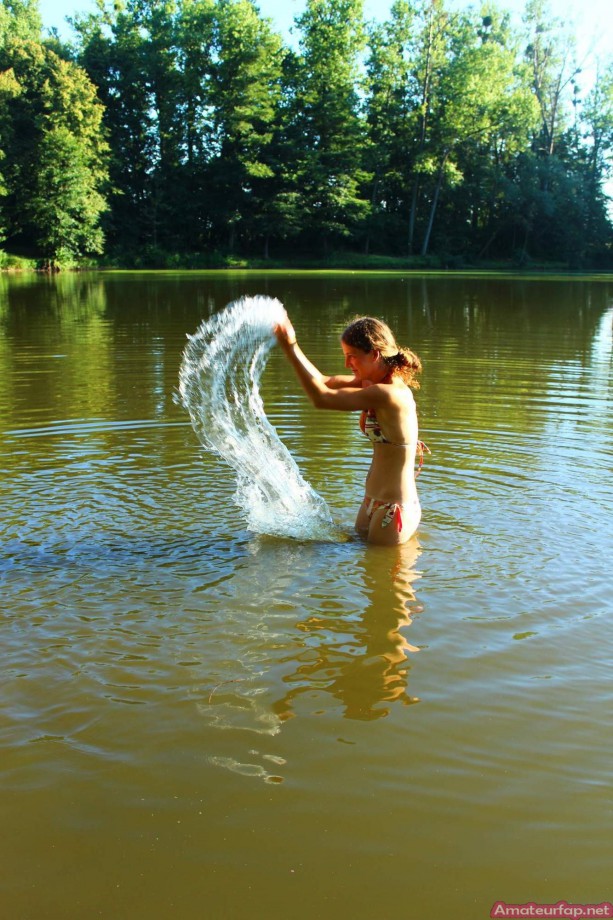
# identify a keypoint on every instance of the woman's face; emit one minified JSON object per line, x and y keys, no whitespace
{"x":362,"y":364}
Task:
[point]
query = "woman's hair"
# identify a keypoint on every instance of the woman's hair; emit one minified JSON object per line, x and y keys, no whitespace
{"x":370,"y":334}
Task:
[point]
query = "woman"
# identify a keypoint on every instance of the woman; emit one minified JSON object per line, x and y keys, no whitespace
{"x":380,"y":387}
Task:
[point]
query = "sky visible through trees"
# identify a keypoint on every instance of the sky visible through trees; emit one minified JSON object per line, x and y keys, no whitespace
{"x":589,"y":21}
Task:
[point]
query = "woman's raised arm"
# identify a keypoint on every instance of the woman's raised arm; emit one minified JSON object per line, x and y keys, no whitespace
{"x":286,"y":338}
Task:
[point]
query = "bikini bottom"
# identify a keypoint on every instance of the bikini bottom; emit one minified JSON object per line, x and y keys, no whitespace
{"x":393,"y":511}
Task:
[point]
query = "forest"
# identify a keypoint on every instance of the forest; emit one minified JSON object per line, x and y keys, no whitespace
{"x":189,"y":133}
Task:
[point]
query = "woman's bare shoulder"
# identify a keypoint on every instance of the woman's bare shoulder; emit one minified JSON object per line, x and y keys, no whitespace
{"x":392,"y":394}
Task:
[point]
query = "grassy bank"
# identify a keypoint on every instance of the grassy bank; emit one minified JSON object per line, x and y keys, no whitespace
{"x":157,"y":260}
{"x":14,"y":263}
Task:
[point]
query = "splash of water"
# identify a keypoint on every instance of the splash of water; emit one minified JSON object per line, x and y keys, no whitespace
{"x":219,"y":386}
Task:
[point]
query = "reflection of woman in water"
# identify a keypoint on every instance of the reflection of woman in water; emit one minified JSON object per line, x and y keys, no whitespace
{"x":383,"y":374}
{"x":362,"y":661}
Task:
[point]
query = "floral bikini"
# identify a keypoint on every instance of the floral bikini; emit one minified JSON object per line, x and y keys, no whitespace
{"x":370,"y":427}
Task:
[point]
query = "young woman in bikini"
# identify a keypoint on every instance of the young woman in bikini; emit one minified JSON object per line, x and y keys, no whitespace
{"x":383,"y":374}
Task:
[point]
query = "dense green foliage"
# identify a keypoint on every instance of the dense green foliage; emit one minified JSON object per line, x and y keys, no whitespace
{"x":51,"y":140}
{"x":173,"y":131}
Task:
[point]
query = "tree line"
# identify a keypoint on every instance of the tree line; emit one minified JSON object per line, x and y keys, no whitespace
{"x":172,"y":132}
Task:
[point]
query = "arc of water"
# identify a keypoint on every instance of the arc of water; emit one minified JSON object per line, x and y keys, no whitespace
{"x":219,"y":380}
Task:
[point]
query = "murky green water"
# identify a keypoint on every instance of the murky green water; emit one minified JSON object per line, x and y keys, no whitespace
{"x":202,"y":722}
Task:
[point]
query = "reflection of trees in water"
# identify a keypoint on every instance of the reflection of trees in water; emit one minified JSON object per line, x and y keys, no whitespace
{"x":60,"y":363}
{"x":473,"y":334}
{"x":74,"y":339}
{"x":29,"y":300}
{"x":490,"y":345}
{"x":362,"y":661}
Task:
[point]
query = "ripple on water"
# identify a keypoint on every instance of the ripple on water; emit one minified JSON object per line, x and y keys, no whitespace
{"x":144,"y":626}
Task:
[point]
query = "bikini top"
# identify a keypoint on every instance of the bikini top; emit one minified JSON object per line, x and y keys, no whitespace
{"x":370,"y":427}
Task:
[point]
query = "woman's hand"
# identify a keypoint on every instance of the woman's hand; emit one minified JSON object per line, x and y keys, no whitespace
{"x":285,"y":333}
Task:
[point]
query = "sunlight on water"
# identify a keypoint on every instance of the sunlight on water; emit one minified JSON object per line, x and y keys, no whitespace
{"x":219,"y":386}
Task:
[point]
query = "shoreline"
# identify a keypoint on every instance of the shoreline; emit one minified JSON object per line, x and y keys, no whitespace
{"x":333,"y":265}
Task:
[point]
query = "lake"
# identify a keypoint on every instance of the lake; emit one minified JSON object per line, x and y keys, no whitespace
{"x":203,"y":721}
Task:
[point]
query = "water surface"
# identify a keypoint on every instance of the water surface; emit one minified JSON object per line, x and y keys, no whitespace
{"x":201,"y":721}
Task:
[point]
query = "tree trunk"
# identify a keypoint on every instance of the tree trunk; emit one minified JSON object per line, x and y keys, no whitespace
{"x":425,"y":104}
{"x":488,"y":244}
{"x":437,"y":192}
{"x":412,"y":216}
{"x":373,"y":201}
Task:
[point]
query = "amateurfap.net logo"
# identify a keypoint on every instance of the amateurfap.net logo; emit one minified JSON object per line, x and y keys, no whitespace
{"x":559,"y":911}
